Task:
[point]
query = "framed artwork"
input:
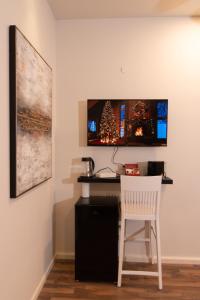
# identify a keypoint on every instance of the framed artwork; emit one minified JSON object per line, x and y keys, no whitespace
{"x":30,"y":115}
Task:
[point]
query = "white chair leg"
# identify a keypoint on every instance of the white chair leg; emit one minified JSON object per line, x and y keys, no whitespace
{"x":121,"y":252}
{"x":149,"y":249}
{"x":157,"y":228}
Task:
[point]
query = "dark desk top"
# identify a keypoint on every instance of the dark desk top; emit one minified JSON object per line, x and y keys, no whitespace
{"x":111,"y":201}
{"x":94,"y":179}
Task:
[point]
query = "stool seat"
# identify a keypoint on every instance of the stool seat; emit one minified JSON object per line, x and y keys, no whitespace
{"x":136,"y":216}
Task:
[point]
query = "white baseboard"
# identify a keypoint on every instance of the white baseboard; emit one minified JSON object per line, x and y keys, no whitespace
{"x":140,"y":258}
{"x":166,"y":259}
{"x":181,"y":260}
{"x":42,"y":281}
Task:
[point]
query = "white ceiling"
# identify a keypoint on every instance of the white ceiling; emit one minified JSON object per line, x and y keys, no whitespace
{"x":92,"y":9}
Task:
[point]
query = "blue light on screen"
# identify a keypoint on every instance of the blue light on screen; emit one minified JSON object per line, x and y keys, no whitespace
{"x":162,"y":109}
{"x":161,"y":129}
{"x":122,"y":120}
{"x":92,"y":126}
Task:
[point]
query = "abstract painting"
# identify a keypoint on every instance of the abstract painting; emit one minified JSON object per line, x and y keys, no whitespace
{"x":30,"y":115}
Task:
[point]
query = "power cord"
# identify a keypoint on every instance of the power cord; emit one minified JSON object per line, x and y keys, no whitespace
{"x":116,"y":148}
{"x":105,"y":169}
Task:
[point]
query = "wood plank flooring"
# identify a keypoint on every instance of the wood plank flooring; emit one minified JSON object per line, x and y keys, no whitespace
{"x":180,"y":282}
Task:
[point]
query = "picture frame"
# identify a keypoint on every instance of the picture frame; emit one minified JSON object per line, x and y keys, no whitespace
{"x":30,"y":85}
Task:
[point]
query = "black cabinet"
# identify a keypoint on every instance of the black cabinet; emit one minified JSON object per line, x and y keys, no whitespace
{"x":96,"y":238}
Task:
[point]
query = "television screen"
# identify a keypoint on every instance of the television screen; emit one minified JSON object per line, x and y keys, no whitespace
{"x":127,"y":122}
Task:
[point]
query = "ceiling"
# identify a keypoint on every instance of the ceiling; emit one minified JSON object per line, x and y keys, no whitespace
{"x":93,"y":9}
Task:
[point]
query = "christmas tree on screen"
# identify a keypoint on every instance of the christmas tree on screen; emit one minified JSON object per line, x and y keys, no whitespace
{"x":108,"y":127}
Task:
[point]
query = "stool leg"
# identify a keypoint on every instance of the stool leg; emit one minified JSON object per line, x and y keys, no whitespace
{"x":149,"y":249}
{"x":121,"y":252}
{"x":157,"y":228}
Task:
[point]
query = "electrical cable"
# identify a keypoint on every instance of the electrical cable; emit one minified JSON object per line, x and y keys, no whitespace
{"x":105,"y":169}
{"x":116,"y":148}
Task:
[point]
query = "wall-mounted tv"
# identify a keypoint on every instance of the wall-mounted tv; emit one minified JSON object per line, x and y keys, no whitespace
{"x":138,"y":122}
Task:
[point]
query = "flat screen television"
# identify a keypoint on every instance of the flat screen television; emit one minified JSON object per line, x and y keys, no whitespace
{"x":138,"y":122}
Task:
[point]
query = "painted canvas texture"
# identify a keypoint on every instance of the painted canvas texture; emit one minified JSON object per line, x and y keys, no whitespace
{"x":34,"y":117}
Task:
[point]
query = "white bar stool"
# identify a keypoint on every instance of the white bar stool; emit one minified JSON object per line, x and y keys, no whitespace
{"x":140,"y":201}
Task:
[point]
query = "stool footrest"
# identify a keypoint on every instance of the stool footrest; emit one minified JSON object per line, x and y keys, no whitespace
{"x":137,"y":240}
{"x":144,"y":273}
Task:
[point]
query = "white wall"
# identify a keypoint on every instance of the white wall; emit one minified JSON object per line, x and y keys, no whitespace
{"x":160,"y":59}
{"x":26,"y":247}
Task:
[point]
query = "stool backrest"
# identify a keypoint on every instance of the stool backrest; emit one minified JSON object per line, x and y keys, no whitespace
{"x":140,"y":193}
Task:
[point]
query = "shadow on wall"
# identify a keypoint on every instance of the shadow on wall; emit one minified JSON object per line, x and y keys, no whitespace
{"x":82,"y":112}
{"x":105,"y":189}
{"x":64,"y":214}
{"x":64,"y":226}
{"x":195,"y":18}
{"x":54,"y":230}
{"x":167,"y":5}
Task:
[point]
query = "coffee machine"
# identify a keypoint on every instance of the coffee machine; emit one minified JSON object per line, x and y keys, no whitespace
{"x":156,"y":168}
{"x":89,"y":166}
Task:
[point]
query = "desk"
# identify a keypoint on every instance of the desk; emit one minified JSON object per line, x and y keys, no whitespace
{"x":93,"y":179}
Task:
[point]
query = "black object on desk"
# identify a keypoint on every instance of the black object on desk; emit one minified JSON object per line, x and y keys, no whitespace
{"x":96,"y":238}
{"x":155,"y":168}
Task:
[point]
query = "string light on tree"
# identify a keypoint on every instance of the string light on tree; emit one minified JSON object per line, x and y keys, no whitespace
{"x":108,"y":127}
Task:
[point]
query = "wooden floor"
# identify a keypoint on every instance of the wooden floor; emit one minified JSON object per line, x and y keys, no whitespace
{"x":180,"y":282}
